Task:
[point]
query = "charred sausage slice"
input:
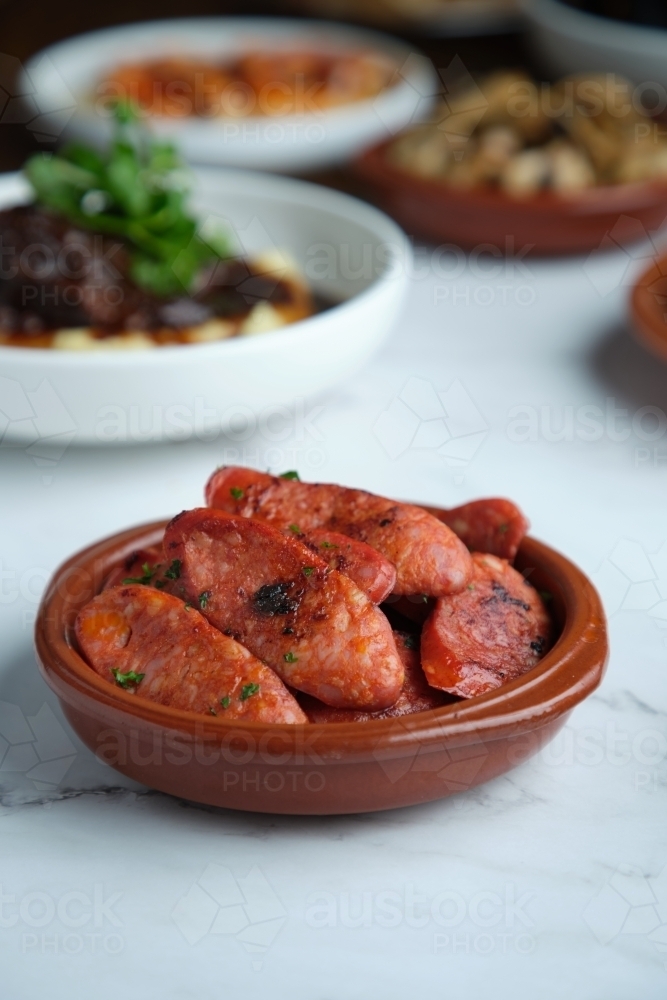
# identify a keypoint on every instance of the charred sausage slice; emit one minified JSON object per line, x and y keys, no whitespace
{"x":428,"y":557}
{"x":372,"y":573}
{"x":495,"y":525}
{"x":150,"y":643}
{"x":416,"y":695}
{"x":312,"y":625}
{"x":492,"y":632}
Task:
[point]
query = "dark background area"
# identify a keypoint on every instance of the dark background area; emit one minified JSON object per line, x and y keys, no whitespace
{"x":26,"y":26}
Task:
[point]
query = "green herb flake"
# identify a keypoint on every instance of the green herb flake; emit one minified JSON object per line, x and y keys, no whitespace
{"x":236,"y":493}
{"x":174,"y":570}
{"x":145,"y":578}
{"x":503,"y":528}
{"x":292,"y":474}
{"x":187,"y":606}
{"x":411,"y":642}
{"x":212,"y":710}
{"x":295,"y":529}
{"x":226,"y":701}
{"x":160,"y":584}
{"x":290,"y":657}
{"x":308,"y":570}
{"x":471,"y":586}
{"x":130,"y":679}
{"x":546,"y":595}
{"x":328,"y":545}
{"x":247,"y":691}
{"x":204,"y":598}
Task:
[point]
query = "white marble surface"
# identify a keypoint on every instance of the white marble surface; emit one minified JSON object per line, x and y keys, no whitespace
{"x":549,"y":882}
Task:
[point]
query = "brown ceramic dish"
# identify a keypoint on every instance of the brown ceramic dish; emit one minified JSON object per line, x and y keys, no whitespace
{"x":331,"y":768}
{"x":648,"y":308}
{"x":547,"y":222}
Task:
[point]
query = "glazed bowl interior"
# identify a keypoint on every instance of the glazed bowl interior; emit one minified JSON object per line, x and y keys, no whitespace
{"x":358,"y":760}
{"x":648,"y":308}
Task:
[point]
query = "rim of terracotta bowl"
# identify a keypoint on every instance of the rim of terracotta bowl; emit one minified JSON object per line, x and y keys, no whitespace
{"x":648,"y":316}
{"x":563,"y":677}
{"x":600,"y":199}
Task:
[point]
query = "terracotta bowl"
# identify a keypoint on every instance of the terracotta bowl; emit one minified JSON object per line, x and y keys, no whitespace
{"x":321,"y":769}
{"x":648,"y":308}
{"x":547,"y":222}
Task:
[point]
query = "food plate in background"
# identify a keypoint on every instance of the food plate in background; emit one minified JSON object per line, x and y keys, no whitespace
{"x":550,"y":223}
{"x":648,"y":308}
{"x":63,"y":79}
{"x":199,"y":389}
{"x":329,"y":768}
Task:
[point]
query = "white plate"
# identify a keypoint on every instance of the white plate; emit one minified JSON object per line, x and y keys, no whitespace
{"x":58,"y":83}
{"x":350,"y":253}
{"x":574,"y":41}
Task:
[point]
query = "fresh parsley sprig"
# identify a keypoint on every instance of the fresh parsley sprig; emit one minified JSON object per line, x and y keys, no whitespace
{"x":136,"y":190}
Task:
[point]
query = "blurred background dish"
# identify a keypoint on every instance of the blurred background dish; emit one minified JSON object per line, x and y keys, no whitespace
{"x":353,"y":257}
{"x":392,"y":86}
{"x":567,"y":39}
{"x":431,"y":17}
{"x":550,"y":165}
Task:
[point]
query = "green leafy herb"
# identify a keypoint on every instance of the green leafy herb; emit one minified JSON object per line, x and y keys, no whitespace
{"x":290,"y":657}
{"x":212,"y":710}
{"x":248,"y":690}
{"x":471,"y":586}
{"x":292,"y":474}
{"x":411,"y":642}
{"x":295,"y":529}
{"x":226,"y":701}
{"x":308,"y":570}
{"x":502,"y":528}
{"x":236,"y":493}
{"x":174,"y":570}
{"x":204,"y":598}
{"x":127,"y":680}
{"x":187,"y":606}
{"x":328,"y":545}
{"x":147,"y":575}
{"x":136,"y":191}
{"x":160,"y":584}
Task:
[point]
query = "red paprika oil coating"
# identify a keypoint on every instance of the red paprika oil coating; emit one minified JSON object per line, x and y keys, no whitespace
{"x":428,"y":557}
{"x":489,"y":634}
{"x":150,"y":643}
{"x":495,"y":525}
{"x":312,"y":625}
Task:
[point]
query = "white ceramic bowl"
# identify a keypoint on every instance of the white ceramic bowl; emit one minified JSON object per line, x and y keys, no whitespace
{"x":350,"y":253}
{"x":573,"y":41}
{"x":61,"y":79}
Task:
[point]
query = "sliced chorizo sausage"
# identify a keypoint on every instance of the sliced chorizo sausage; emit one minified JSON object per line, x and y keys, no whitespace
{"x":427,"y":555}
{"x":492,"y":632}
{"x":416,"y":695}
{"x":372,"y":573}
{"x":151,"y":643}
{"x":495,"y":525}
{"x":312,"y":625}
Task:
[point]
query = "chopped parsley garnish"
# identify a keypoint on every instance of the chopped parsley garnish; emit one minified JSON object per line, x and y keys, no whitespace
{"x":424,"y":598}
{"x":292,"y":474}
{"x":160,"y":584}
{"x":308,"y":570}
{"x":236,"y":493}
{"x":147,"y":575}
{"x":174,"y":570}
{"x":187,"y":605}
{"x":127,"y":680}
{"x":411,"y":642}
{"x":502,"y":528}
{"x":204,"y":598}
{"x":212,"y":710}
{"x":226,"y":701}
{"x":328,"y":545}
{"x":471,"y":586}
{"x":135,"y":190}
{"x":295,"y":529}
{"x":290,"y":657}
{"x":247,"y":691}
{"x":546,"y":595}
